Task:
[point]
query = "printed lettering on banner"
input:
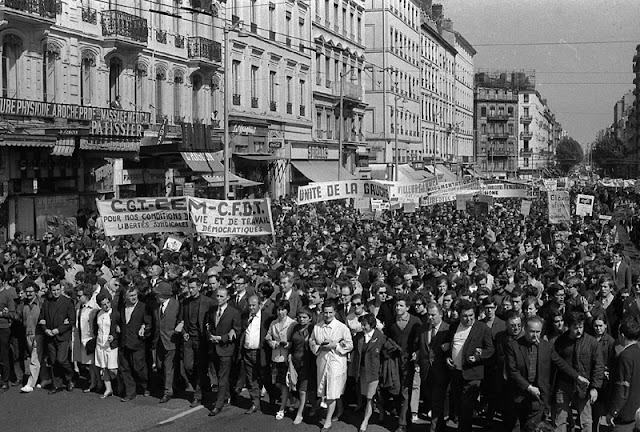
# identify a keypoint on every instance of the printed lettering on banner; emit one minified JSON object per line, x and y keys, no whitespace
{"x":559,"y":207}
{"x":145,"y":215}
{"x":329,"y":191}
{"x":506,"y":190}
{"x":222,"y":218}
{"x":584,"y":205}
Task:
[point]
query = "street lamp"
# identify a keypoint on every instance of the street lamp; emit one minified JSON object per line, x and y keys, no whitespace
{"x":227,"y":67}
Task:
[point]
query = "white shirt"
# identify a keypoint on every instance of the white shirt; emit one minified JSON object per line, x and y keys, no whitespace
{"x":459,"y":338}
{"x":163,"y":308}
{"x":128,"y":310}
{"x":252,"y":333}
{"x":368,"y":336}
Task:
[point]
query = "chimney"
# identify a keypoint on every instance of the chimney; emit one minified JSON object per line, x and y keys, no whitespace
{"x":426,"y":6}
{"x":447,"y":24}
{"x":436,"y":12}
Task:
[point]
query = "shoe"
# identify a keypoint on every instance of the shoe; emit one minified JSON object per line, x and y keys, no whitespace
{"x":127,"y":399}
{"x":88,"y":390}
{"x":297,"y":420}
{"x":414,"y":418}
{"x":252,"y":409}
{"x":363,"y":428}
{"x":26,"y":389}
{"x":195,"y":402}
{"x":55,"y":390}
{"x":401,"y":429}
{"x":337,"y":416}
{"x":70,"y":386}
{"x":279,"y":415}
{"x":214,"y":412}
{"x":165,"y":399}
{"x":326,"y":429}
{"x":227,"y":402}
{"x":44,"y":384}
{"x":106,"y":395}
{"x":146,"y":393}
{"x":4,"y":387}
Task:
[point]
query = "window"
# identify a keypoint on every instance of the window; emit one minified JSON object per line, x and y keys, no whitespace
{"x":140,"y":79}
{"x":11,"y":50}
{"x":254,"y":83}
{"x":302,"y":92}
{"x":115,"y":71}
{"x":526,"y":98}
{"x":287,"y":27}
{"x":483,"y":128}
{"x":272,"y":86}
{"x":235,"y":76}
{"x":526,"y":111}
{"x":86,"y":81}
{"x":196,"y":86}
{"x":289,"y":89}
{"x":177,"y":96}
{"x":160,"y":77}
{"x":483,"y":111}
{"x":49,"y":76}
{"x":510,"y":111}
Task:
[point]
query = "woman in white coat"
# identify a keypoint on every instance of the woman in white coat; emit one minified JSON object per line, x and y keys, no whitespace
{"x":106,"y":351}
{"x":331,"y":342}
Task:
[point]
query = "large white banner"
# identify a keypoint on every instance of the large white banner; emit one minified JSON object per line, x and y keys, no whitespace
{"x":559,"y":207}
{"x":335,"y":190}
{"x":506,"y":190}
{"x":144,"y":215}
{"x":220,"y":218}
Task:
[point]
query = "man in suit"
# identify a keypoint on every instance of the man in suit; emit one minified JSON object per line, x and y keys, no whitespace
{"x":240,"y":301}
{"x":132,"y":327}
{"x":529,"y":365}
{"x":625,"y":396}
{"x":191,"y":325}
{"x":57,"y":317}
{"x":489,"y":387}
{"x":255,"y":352}
{"x":471,"y":347}
{"x":222,"y":328}
{"x":344,"y":302}
{"x":287,"y":293}
{"x":434,"y":374}
{"x":620,"y":271}
{"x":166,"y":335}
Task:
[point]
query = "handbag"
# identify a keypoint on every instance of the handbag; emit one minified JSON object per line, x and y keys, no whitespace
{"x":90,"y":346}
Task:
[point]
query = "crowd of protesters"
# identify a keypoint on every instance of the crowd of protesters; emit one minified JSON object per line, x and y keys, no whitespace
{"x":435,"y":315}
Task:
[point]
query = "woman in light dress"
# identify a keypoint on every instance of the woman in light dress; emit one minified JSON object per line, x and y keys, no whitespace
{"x":106,"y":345}
{"x":83,"y":351}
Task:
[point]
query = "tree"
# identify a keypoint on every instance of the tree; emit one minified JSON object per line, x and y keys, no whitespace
{"x":568,"y":154}
{"x":608,"y":153}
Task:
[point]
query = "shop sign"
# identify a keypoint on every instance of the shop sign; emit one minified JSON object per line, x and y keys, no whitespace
{"x":243,"y":130}
{"x":28,"y":108}
{"x":141,"y":176}
{"x":318,"y":152}
{"x":275,"y":144}
{"x":108,"y":128}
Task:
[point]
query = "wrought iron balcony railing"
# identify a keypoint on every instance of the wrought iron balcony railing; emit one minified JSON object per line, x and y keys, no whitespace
{"x":121,"y":24}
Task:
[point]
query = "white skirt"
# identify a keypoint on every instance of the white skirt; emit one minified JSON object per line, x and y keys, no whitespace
{"x":106,"y":358}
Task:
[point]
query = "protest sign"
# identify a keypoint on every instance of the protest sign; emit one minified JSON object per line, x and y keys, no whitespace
{"x":173,"y":243}
{"x":144,"y":215}
{"x":461,"y":200}
{"x":559,"y":207}
{"x":525,"y":208}
{"x":505,"y":190}
{"x":584,"y":205}
{"x":335,"y":190}
{"x":362,"y":203}
{"x":56,"y":214}
{"x":221,"y":218}
{"x":477,"y":208}
{"x":409,"y":207}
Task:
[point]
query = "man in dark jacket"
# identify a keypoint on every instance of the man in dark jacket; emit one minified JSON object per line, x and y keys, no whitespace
{"x":132,"y":326}
{"x":57,"y":317}
{"x":581,"y":351}
{"x":529,"y":363}
{"x":625,"y":395}
{"x":471,"y":347}
{"x":165,"y":335}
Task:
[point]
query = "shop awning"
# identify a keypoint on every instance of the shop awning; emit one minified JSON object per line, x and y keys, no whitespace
{"x":259,"y":157}
{"x":406,"y":173}
{"x":322,"y":171}
{"x":204,"y":162}
{"x":443,"y":173}
{"x":33,"y":143}
{"x":217,"y":180}
{"x":64,"y":147}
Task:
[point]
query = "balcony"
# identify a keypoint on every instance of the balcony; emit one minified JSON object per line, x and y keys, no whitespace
{"x":204,"y":52}
{"x":319,"y":133}
{"x":329,"y":134}
{"x":31,"y":12}
{"x":497,"y":117}
{"x":254,"y":102}
{"x":526,"y":152}
{"x":273,"y":106}
{"x":289,"y":108}
{"x":124,"y":30}
{"x":352,"y":91}
{"x":161,"y":36}
{"x":179,"y":41}
{"x":525,"y":119}
{"x":215,"y":124}
{"x":178,"y":119}
{"x":235,"y":99}
{"x":327,"y":83}
{"x":497,"y":135}
{"x":526,"y":135}
{"x":499,"y":152}
{"x":303,"y":110}
{"x":272,"y":35}
{"x":89,"y":15}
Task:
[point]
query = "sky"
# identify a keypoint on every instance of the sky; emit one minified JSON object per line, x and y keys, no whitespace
{"x":581,"y":81}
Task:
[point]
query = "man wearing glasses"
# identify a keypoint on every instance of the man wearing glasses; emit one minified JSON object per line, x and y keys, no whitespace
{"x":383,"y":307}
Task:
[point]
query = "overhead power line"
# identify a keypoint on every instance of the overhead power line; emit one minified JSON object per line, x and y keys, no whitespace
{"x":554,"y":43}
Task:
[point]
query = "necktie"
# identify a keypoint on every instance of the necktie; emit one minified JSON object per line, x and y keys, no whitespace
{"x":218,"y":315}
{"x":432,"y":334}
{"x":163,"y":308}
{"x":533,"y":361}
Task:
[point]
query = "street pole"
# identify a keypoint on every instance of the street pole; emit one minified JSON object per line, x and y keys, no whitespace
{"x":395,"y":135}
{"x":227,"y":71}
{"x":340,"y":124}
